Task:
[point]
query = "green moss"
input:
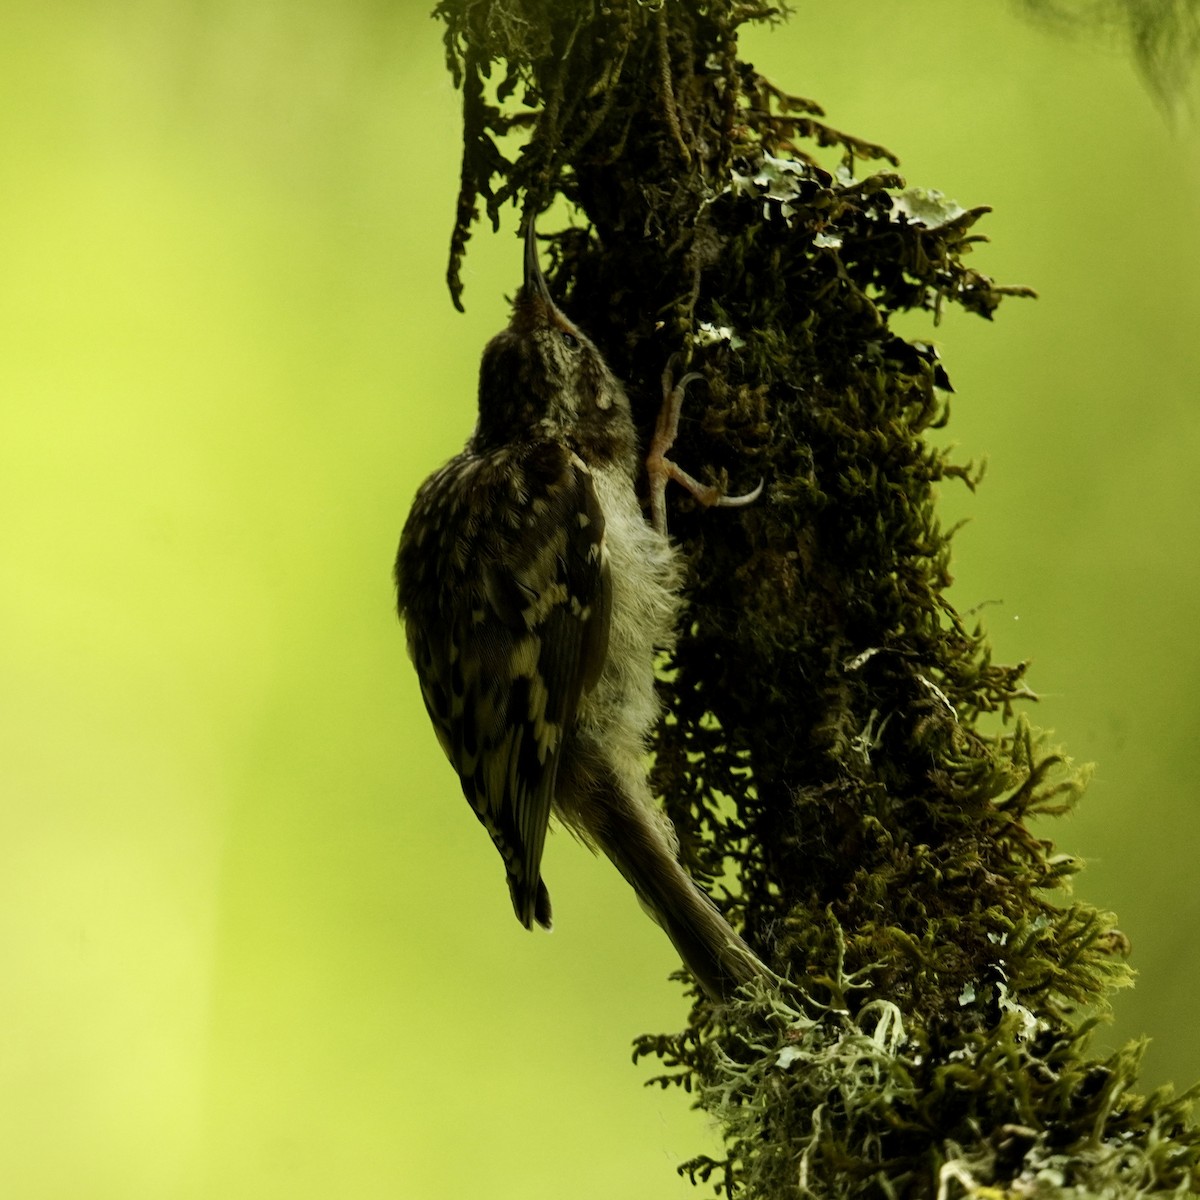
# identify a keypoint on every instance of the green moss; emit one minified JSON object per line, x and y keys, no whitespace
{"x":826,"y":756}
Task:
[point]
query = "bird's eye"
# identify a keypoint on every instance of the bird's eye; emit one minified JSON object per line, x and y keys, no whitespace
{"x":569,"y":339}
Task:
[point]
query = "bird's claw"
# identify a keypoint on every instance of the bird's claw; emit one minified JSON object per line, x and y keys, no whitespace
{"x":742,"y":500}
{"x":660,"y":468}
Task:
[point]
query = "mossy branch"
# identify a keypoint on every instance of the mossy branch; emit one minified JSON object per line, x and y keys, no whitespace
{"x":1164,"y":35}
{"x":825,"y":758}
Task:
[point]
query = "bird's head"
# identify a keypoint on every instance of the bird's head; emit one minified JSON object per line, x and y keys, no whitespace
{"x":543,"y":376}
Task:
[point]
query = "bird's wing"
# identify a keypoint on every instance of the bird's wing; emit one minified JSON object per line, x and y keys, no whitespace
{"x":526,"y":636}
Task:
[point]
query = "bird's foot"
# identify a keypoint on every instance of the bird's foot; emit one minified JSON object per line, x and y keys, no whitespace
{"x":660,"y":468}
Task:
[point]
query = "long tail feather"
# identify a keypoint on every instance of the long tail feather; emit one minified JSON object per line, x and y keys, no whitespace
{"x":634,"y":838}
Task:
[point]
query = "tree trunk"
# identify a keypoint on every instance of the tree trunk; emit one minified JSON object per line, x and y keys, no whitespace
{"x":824,"y":757}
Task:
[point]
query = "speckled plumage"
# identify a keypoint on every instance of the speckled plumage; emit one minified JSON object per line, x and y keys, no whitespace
{"x":535,"y":598}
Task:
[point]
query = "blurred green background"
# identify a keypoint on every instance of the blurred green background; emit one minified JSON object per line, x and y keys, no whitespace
{"x":252,"y":943}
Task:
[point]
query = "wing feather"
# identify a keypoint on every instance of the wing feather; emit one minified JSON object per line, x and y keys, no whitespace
{"x":519,"y":630}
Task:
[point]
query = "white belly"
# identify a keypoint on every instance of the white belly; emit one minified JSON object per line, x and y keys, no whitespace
{"x":645,"y":577}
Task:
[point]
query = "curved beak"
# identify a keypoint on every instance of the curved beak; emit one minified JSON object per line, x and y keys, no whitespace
{"x":535,"y":281}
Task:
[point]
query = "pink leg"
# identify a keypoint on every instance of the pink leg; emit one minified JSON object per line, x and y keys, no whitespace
{"x":660,"y":468}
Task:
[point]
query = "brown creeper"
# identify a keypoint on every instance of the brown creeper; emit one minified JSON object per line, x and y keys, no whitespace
{"x":535,"y":597}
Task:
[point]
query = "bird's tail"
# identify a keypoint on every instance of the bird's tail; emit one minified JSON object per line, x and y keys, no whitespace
{"x":641,"y":846}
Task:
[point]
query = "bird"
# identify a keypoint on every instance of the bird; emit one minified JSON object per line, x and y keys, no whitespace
{"x":536,"y":598}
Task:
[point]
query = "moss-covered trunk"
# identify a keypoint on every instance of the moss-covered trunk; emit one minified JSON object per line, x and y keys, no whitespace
{"x":824,"y":758}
